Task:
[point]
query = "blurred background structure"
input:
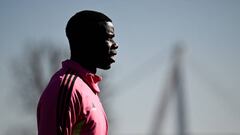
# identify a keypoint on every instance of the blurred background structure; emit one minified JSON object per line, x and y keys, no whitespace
{"x":151,"y":89}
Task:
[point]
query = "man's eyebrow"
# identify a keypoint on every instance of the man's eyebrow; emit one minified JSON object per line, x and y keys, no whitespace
{"x":111,"y":35}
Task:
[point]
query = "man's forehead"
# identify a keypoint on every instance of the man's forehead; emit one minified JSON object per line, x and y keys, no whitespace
{"x":108,"y":26}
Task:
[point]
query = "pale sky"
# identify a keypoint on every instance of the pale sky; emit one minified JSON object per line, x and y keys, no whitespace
{"x":209,"y":28}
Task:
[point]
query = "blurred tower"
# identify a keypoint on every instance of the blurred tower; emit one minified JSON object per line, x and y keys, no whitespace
{"x":177,"y":83}
{"x":174,"y":88}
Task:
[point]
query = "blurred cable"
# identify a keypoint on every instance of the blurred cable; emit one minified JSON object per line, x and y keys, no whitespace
{"x":137,"y":75}
{"x":216,"y":88}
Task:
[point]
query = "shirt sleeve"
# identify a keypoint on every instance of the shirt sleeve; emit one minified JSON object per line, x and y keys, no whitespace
{"x":73,"y":114}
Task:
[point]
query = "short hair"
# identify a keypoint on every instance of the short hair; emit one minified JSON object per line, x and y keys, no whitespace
{"x":83,"y":22}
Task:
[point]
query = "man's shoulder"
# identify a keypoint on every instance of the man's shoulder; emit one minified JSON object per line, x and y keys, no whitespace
{"x":79,"y":83}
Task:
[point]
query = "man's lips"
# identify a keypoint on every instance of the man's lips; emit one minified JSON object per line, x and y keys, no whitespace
{"x":112,"y":54}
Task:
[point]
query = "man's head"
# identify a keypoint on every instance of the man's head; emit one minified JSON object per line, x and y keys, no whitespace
{"x":90,"y":36}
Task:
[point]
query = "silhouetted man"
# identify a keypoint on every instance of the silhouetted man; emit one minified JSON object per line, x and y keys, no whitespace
{"x":70,"y":104}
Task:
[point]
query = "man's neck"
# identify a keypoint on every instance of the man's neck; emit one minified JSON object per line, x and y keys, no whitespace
{"x":85,"y":65}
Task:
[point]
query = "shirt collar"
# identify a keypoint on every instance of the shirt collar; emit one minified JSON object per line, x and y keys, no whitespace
{"x":91,"y":79}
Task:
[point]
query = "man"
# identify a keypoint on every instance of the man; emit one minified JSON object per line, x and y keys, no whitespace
{"x":70,"y":104}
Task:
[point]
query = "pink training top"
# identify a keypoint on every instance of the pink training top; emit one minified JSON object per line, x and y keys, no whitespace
{"x":70,"y":104}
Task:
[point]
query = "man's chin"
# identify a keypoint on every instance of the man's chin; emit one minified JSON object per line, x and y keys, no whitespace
{"x":105,"y":66}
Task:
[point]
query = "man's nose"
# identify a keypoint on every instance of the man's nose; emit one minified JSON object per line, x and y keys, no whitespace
{"x":114,"y":46}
